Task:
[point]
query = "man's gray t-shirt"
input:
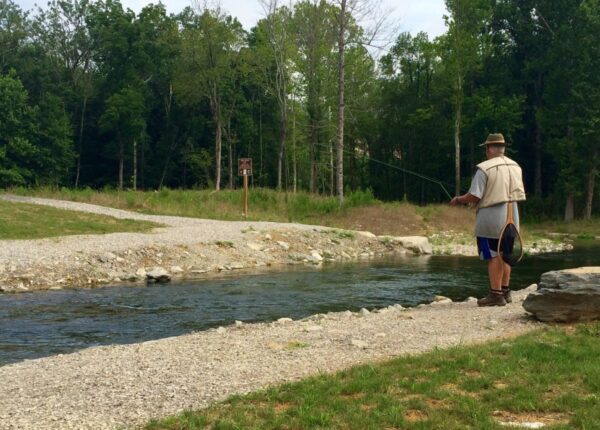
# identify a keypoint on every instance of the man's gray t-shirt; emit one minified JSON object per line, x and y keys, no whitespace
{"x":491,"y":220}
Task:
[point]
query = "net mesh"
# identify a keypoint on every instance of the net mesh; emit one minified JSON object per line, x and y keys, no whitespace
{"x":510,"y":246}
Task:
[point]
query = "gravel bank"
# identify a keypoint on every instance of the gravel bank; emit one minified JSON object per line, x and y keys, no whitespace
{"x":187,"y":247}
{"x":126,"y":385}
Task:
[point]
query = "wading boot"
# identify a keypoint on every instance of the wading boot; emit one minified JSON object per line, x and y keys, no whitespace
{"x":507,"y":295}
{"x":494,"y":298}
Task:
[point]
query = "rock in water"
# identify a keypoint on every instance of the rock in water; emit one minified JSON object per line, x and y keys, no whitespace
{"x":566,"y":296}
{"x":158,"y":274}
{"x":417,"y":244}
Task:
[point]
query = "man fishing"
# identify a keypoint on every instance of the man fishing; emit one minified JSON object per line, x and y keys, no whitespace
{"x":497,"y":184}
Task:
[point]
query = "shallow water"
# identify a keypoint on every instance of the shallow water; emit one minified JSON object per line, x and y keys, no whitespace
{"x":44,"y":323}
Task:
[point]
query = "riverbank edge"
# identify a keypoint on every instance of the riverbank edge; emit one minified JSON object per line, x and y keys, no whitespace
{"x":185,"y":249}
{"x":258,"y":250}
{"x":264,"y":250}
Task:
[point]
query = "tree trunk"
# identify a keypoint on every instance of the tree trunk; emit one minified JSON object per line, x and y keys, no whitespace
{"x":294,"y":165}
{"x":218,"y":140}
{"x":121,"y":162}
{"x":230,"y":153}
{"x":172,"y":141}
{"x":260,"y":143}
{"x":282,"y":137}
{"x":134,"y":165}
{"x":341,"y":84}
{"x":537,"y":184}
{"x":570,"y":208}
{"x":331,"y":170}
{"x":163,"y":176}
{"x":590,"y":193}
{"x":313,"y":157}
{"x":457,"y":124}
{"x":80,"y":141}
{"x":538,"y":146}
{"x":142,"y":164}
{"x":216,"y":111}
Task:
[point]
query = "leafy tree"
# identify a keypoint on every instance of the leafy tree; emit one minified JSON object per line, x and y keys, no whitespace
{"x":210,"y":43}
{"x":314,"y":26}
{"x":14,"y":29}
{"x":465,"y":43}
{"x":62,"y":32}
{"x":35,"y":141}
{"x":124,"y":119}
{"x":15,"y":118}
{"x":274,"y":33}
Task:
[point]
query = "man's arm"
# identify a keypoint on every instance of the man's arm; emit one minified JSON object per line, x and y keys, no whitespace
{"x":476,"y":191}
{"x":465,"y":199}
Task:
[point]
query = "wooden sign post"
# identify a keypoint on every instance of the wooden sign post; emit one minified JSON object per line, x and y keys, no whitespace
{"x":245,"y":170}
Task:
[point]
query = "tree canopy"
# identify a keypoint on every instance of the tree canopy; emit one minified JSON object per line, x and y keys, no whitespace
{"x":94,"y":94}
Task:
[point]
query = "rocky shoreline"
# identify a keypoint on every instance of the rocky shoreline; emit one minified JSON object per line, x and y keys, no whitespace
{"x":450,"y":243}
{"x":187,"y":248}
{"x":124,"y":386}
{"x":258,"y":249}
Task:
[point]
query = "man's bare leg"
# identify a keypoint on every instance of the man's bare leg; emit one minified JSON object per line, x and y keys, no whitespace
{"x":496,"y":273}
{"x":506,"y":275}
{"x":506,"y":283}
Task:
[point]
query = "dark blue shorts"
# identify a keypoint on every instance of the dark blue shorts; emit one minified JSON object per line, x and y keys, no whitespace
{"x":487,"y":248}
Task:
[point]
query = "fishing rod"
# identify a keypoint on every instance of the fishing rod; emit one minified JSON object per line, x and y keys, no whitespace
{"x":410,"y":172}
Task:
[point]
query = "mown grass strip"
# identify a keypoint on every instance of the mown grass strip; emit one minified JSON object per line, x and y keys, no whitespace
{"x":360,"y":211}
{"x":265,"y":204}
{"x":28,"y":221}
{"x":550,"y":376}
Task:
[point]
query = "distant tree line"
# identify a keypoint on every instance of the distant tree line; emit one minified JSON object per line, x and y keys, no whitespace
{"x":92,"y":94}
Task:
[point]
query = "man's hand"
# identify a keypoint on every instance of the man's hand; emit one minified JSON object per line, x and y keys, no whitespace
{"x":465,"y":199}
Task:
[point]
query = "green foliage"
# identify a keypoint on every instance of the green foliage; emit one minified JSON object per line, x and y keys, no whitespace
{"x":35,"y":145}
{"x":178,"y":98}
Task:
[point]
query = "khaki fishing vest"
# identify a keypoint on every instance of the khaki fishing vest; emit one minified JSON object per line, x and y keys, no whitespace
{"x":504,"y":182}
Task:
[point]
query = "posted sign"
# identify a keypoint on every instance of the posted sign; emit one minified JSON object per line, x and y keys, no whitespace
{"x":245,"y":166}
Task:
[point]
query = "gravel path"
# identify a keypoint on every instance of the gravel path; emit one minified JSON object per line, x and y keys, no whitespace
{"x":177,"y":231}
{"x":126,"y":385}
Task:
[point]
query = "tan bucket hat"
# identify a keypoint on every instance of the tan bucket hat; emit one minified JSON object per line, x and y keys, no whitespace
{"x":494,"y":139}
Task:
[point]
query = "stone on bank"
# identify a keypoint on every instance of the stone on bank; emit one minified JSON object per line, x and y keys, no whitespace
{"x":158,"y":274}
{"x":571,"y":295}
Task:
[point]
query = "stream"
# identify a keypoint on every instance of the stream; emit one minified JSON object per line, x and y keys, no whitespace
{"x":44,"y":323}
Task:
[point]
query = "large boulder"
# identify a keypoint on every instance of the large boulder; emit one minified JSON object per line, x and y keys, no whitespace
{"x":571,"y":295}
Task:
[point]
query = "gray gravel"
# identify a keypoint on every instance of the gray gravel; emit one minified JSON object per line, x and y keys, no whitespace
{"x":126,"y":385}
{"x":177,"y":231}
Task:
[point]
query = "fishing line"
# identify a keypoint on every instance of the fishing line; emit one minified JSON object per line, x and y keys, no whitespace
{"x":410,"y":172}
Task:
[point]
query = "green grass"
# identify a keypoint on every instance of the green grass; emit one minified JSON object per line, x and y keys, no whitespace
{"x":550,"y":375}
{"x":360,"y":211}
{"x":583,"y":229}
{"x":264,"y":204}
{"x":26,"y":221}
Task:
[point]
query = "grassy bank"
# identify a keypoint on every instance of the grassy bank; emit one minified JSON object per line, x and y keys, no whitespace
{"x":361,"y":211}
{"x":581,"y":229}
{"x":550,"y":376}
{"x":25,"y":221}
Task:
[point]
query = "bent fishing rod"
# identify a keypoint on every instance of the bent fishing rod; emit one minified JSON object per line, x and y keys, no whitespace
{"x":410,"y":172}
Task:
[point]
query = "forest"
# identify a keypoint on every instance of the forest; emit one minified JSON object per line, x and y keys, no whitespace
{"x":325,"y":96}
